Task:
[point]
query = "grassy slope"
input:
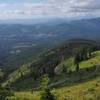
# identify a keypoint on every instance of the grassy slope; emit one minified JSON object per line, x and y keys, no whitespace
{"x":93,"y":61}
{"x":88,"y":89}
{"x":84,"y":64}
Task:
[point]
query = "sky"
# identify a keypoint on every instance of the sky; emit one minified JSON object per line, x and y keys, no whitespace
{"x":19,"y":9}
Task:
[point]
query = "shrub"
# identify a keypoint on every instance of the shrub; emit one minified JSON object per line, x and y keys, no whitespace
{"x":46,"y":92}
{"x":47,"y":95}
{"x":5,"y":92}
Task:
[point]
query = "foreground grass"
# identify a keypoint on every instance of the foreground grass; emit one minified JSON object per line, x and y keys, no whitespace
{"x":85,"y":91}
{"x":89,"y":90}
{"x":25,"y":96}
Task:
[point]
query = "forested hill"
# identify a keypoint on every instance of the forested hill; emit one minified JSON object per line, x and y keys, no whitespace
{"x":62,"y":58}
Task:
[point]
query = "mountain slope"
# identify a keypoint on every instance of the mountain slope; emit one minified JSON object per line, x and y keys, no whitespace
{"x":46,"y":62}
{"x":73,"y":87}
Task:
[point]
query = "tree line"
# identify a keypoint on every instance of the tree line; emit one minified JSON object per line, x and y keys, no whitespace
{"x":84,"y":54}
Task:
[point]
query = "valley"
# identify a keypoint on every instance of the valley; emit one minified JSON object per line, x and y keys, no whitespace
{"x":19,"y":41}
{"x":57,"y":60}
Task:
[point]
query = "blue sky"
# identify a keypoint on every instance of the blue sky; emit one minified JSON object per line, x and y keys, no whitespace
{"x":19,"y":9}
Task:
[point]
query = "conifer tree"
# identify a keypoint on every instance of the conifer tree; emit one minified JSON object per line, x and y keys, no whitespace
{"x":76,"y":61}
{"x":46,"y":92}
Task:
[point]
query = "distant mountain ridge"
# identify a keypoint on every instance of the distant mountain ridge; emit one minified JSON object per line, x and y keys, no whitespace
{"x":17,"y":40}
{"x":79,"y":28}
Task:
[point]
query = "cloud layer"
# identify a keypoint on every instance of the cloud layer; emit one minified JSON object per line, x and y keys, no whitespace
{"x":50,"y":8}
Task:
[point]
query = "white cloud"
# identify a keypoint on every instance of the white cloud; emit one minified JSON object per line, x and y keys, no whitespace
{"x":57,"y":8}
